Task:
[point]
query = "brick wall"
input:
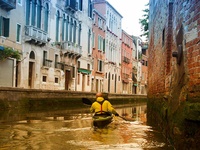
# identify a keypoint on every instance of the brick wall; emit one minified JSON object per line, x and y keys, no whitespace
{"x":172,"y":24}
{"x":174,"y":69}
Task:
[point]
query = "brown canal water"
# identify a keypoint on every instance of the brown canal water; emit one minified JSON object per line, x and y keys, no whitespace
{"x":72,"y":129}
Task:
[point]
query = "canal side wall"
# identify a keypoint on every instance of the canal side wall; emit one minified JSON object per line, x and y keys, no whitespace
{"x":16,"y":98}
{"x":174,"y":70}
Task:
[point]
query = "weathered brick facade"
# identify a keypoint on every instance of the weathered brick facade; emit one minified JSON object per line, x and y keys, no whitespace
{"x":174,"y":69}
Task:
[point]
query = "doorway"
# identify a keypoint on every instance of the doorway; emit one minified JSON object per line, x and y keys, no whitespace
{"x":30,"y":75}
{"x":67,"y":79}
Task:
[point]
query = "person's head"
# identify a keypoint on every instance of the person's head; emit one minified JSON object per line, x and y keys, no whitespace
{"x":99,"y":94}
{"x":105,"y":95}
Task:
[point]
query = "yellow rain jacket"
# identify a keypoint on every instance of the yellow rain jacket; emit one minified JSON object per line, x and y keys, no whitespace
{"x":101,"y":105}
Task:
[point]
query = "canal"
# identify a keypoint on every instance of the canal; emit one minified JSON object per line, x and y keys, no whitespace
{"x":71,"y":129}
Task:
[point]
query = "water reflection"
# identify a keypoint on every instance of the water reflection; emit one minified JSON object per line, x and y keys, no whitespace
{"x":71,"y":129}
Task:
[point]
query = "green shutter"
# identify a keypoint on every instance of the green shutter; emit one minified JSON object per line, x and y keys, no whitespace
{"x":104,"y":41}
{"x":6,"y":27}
{"x":1,"y":21}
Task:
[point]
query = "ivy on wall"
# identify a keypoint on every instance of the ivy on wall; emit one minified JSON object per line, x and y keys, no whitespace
{"x":8,"y":52}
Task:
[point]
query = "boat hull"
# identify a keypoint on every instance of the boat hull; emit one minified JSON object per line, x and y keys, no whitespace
{"x":102,"y":121}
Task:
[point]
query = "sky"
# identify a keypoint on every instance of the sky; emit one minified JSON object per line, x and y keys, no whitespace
{"x":131,"y":10}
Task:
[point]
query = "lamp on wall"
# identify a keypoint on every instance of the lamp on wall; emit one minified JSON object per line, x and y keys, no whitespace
{"x":178,"y":54}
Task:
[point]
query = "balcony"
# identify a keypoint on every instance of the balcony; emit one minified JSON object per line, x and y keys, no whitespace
{"x":36,"y":35}
{"x":71,"y":5}
{"x":47,"y":63}
{"x":71,"y":49}
{"x":8,"y":4}
{"x":126,"y":60}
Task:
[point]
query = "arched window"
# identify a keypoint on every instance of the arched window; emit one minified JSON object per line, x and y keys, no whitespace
{"x":57,"y":25}
{"x":63,"y":27}
{"x":39,"y":10}
{"x":27,"y":12}
{"x":46,"y":17}
{"x":32,"y":55}
{"x":74,"y":37}
{"x":71,"y":29}
{"x":79,"y":35}
{"x":33,"y":12}
{"x":67,"y":29}
{"x":89,"y":36}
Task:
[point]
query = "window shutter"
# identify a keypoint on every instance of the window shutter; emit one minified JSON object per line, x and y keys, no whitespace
{"x":6,"y":27}
{"x":1,"y":21}
{"x":104,"y":45}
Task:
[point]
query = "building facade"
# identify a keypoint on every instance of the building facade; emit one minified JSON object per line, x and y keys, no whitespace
{"x":126,"y":63}
{"x":98,"y":51}
{"x":68,"y":45}
{"x":112,"y":79}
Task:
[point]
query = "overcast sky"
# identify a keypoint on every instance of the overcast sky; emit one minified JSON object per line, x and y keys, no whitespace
{"x":131,"y":10}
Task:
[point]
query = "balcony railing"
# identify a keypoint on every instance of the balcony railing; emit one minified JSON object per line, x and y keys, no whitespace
{"x":127,"y":60}
{"x":71,"y":5}
{"x":72,"y":48}
{"x":36,"y":34}
{"x":8,"y":4}
{"x":125,"y":76}
{"x":47,"y":63}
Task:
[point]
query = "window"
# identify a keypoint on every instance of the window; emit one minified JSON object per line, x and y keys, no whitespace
{"x":100,"y":65}
{"x":78,"y":78}
{"x":36,"y":9}
{"x":163,"y":37}
{"x":44,"y":78}
{"x":89,"y":36}
{"x":4,"y":26}
{"x":46,"y":17}
{"x":93,"y":39}
{"x":88,"y":66}
{"x":79,"y":64}
{"x":79,"y":35}
{"x":71,"y":30}
{"x":63,"y":27}
{"x":100,"y":23}
{"x":18,"y":38}
{"x":56,"y":80}
{"x":88,"y":80}
{"x":101,"y":43}
{"x":74,"y":37}
{"x":19,"y":2}
{"x":80,"y":3}
{"x":56,"y":60}
{"x":57,"y":25}
{"x":44,"y":57}
{"x":67,"y":29}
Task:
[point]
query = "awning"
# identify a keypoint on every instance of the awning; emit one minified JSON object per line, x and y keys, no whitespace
{"x":135,"y":84}
{"x":1,"y":48}
{"x":84,"y":71}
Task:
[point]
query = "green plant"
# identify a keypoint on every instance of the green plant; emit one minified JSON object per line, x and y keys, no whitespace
{"x":9,"y":52}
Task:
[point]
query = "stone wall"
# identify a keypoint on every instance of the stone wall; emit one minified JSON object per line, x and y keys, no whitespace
{"x":174,"y":69}
{"x":11,"y":98}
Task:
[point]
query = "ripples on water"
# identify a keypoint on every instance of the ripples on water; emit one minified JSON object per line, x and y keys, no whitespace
{"x":73,"y":131}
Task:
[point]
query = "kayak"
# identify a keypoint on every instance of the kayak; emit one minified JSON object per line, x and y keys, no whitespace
{"x":102,"y":120}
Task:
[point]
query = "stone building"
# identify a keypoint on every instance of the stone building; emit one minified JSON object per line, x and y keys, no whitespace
{"x":126,"y":63}
{"x":112,"y":79}
{"x":174,"y":70}
{"x":137,"y":64}
{"x":51,"y":37}
{"x":144,"y":68}
{"x":98,"y":51}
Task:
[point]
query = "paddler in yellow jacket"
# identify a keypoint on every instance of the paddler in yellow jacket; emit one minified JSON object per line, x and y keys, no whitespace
{"x":102,"y":106}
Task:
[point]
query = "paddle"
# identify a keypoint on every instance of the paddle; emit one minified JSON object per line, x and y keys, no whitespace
{"x":88,"y":102}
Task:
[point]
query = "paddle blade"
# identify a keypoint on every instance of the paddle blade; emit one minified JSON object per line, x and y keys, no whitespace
{"x":86,"y":101}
